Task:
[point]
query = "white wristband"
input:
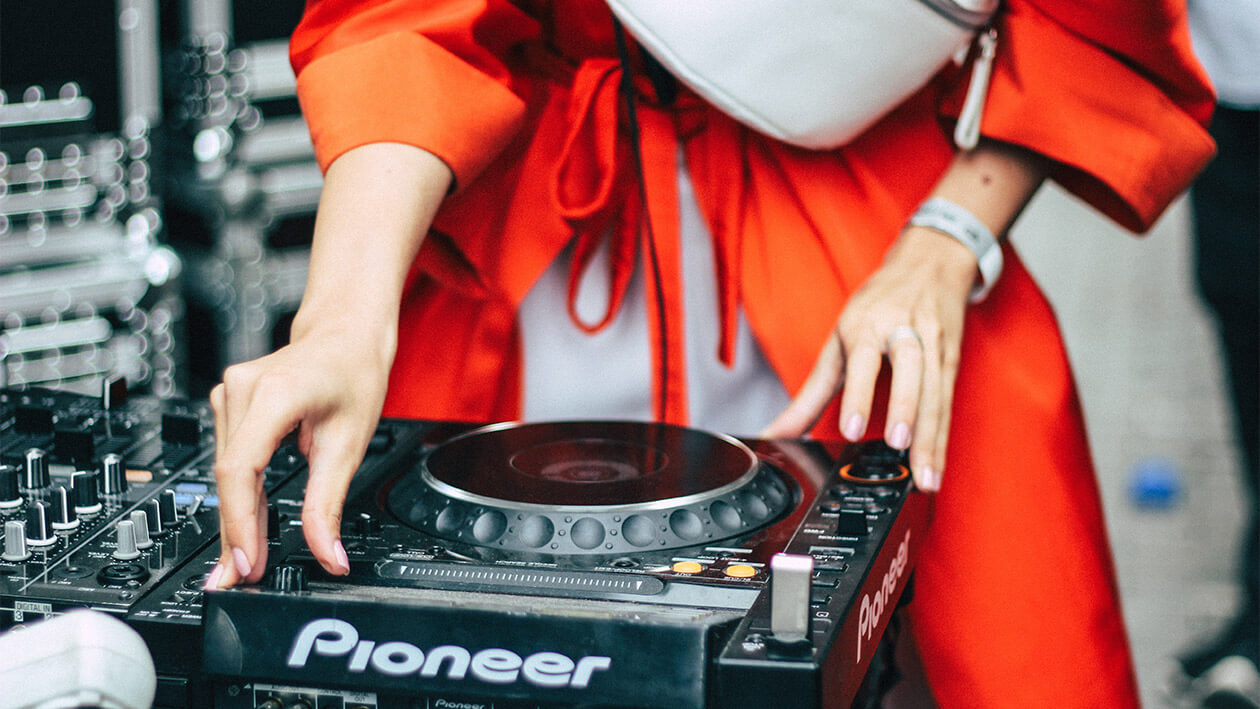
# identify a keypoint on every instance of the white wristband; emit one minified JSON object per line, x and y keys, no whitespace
{"x":942,"y":215}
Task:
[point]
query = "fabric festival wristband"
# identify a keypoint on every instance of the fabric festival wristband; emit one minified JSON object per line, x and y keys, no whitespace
{"x":942,"y":215}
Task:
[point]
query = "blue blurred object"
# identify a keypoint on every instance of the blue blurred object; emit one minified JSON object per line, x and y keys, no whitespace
{"x":1155,"y":483}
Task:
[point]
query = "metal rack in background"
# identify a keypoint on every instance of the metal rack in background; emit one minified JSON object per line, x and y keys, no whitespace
{"x":243,"y":184}
{"x":87,"y":290}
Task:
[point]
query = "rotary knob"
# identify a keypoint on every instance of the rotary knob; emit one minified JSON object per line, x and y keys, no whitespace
{"x":153,"y":515}
{"x":140,"y":520}
{"x":15,"y":542}
{"x":35,"y":470}
{"x":63,"y":515}
{"x":10,"y":489}
{"x":39,"y":529}
{"x":114,"y":478}
{"x":86,"y":494}
{"x":366,"y":525}
{"x":127,"y":548}
{"x":168,"y":511}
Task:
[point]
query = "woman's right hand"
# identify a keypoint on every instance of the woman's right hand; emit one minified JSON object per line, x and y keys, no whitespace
{"x":329,"y":383}
{"x":329,"y":386}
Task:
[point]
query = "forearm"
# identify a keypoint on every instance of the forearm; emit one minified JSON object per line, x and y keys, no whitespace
{"x":994,"y":182}
{"x":375,"y":209}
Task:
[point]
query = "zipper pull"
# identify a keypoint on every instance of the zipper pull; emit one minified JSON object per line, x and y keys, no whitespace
{"x":967,"y":132}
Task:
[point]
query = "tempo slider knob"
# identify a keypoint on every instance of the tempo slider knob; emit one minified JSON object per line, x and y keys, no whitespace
{"x":15,"y":542}
{"x":791,"y":576}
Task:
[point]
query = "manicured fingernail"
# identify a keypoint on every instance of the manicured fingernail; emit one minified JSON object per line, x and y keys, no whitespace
{"x":342,"y":558}
{"x":931,"y":480}
{"x":242,"y":562}
{"x":853,"y":427}
{"x":212,"y":581}
{"x":900,"y":436}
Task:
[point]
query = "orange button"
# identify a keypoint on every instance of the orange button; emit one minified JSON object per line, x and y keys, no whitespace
{"x":687,"y":567}
{"x":740,"y":571}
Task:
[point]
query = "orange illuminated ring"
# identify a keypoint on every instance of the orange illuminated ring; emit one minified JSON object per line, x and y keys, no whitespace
{"x":845,"y":475}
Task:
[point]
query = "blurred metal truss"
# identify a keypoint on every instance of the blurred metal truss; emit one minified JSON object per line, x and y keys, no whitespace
{"x":87,"y":290}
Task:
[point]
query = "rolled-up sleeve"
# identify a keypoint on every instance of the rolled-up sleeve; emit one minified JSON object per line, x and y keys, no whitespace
{"x":1110,"y":91}
{"x":428,"y":74}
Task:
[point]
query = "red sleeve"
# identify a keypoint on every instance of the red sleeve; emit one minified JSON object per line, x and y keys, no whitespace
{"x":428,"y":74}
{"x":1108,"y":89}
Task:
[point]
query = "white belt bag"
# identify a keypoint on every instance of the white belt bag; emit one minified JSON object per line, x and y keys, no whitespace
{"x":814,"y":73}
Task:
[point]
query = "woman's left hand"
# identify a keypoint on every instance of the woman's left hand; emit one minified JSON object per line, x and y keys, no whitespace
{"x":911,"y":312}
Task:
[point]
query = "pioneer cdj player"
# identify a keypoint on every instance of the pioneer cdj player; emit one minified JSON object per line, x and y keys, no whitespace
{"x":566,"y":564}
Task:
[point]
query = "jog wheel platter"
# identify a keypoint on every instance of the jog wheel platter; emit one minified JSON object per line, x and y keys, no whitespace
{"x":590,"y":488}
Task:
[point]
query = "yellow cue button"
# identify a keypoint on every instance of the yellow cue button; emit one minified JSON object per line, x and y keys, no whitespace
{"x":740,"y":571}
{"x":687,"y":567}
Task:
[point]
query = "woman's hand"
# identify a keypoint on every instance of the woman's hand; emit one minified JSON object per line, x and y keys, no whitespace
{"x":329,"y":383}
{"x":329,"y":386}
{"x":910,"y":311}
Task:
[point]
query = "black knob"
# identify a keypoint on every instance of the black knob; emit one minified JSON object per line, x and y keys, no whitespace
{"x":63,"y":516}
{"x":167,"y":510}
{"x":87,"y":496}
{"x":365,"y":524}
{"x":10,"y":488}
{"x":288,"y":578}
{"x":39,"y":529}
{"x":35,"y":470}
{"x":153,"y":513}
{"x":113,"y":476}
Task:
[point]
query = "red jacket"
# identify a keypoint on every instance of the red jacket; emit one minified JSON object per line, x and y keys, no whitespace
{"x":1015,"y":603}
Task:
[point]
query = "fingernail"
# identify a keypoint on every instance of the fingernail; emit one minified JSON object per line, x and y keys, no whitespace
{"x":242,"y":562}
{"x":900,"y":436}
{"x":342,"y":558}
{"x":931,"y":480}
{"x":212,"y":581}
{"x":853,"y":427}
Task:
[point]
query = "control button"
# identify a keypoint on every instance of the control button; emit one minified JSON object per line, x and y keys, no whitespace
{"x":840,"y":490}
{"x":140,"y":521}
{"x":826,"y":578}
{"x":819,"y":596}
{"x":790,"y":576}
{"x":883,"y":493}
{"x":126,"y":534}
{"x":63,"y":516}
{"x":740,"y":571}
{"x":10,"y":490}
{"x":822,"y":625}
{"x":687,"y":567}
{"x":35,"y":469}
{"x":366,"y":525}
{"x":39,"y":530}
{"x":831,"y":507}
{"x":83,"y":489}
{"x":851,"y":522}
{"x":113,"y":477}
{"x":15,"y":542}
{"x":288,"y":578}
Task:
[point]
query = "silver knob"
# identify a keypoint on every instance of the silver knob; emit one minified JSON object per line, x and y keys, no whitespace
{"x":140,"y":521}
{"x":15,"y":542}
{"x":127,"y":549}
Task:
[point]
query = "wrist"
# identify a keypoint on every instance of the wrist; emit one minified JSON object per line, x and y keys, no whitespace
{"x":359,"y":329}
{"x":955,"y":222}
